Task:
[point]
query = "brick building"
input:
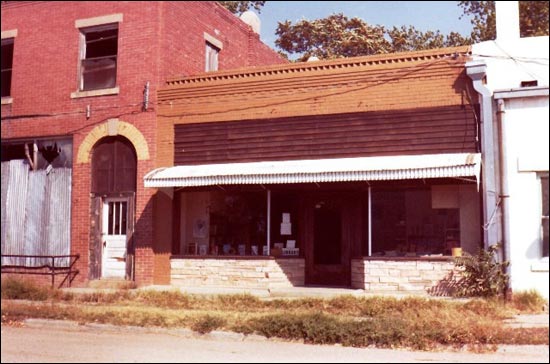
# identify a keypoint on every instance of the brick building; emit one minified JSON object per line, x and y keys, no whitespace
{"x":79,"y":123}
{"x":357,"y":172}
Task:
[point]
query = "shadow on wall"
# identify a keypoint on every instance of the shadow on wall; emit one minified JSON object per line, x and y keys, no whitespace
{"x":533,"y":250}
{"x":150,"y":247}
{"x":447,"y":286}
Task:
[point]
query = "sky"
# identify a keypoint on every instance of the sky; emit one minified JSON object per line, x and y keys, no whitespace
{"x":424,"y":15}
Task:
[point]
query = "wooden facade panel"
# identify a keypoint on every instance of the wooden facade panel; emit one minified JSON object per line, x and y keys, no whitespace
{"x":419,"y":131}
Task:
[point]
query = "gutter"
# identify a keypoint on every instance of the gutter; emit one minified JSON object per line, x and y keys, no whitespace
{"x":477,"y":71}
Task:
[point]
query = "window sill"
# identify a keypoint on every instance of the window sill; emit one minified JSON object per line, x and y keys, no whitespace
{"x":540,"y":266}
{"x":7,"y":100}
{"x":92,"y":93}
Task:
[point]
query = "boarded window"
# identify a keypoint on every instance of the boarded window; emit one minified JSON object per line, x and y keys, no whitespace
{"x":7,"y":62}
{"x":113,"y":166}
{"x":212,"y":53}
{"x":36,"y":213}
{"x":99,"y":61}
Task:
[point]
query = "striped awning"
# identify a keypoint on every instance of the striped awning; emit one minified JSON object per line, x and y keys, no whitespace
{"x":318,"y":170}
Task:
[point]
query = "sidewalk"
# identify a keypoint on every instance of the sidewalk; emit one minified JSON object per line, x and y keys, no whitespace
{"x":527,"y":321}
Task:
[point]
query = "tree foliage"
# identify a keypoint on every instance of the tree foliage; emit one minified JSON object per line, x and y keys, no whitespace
{"x":331,"y":37}
{"x":239,"y":7}
{"x":409,"y":38}
{"x":340,"y":36}
{"x":533,"y":18}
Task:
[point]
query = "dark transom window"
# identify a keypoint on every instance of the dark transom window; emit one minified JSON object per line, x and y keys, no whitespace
{"x":113,"y":166}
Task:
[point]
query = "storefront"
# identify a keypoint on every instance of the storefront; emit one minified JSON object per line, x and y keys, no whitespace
{"x":309,"y":222}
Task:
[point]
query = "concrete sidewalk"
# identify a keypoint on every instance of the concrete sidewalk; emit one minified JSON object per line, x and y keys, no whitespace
{"x":527,"y":321}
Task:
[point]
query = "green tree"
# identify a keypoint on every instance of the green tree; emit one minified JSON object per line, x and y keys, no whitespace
{"x":533,"y":18}
{"x":331,"y":37}
{"x":339,"y":36}
{"x":411,"y":39}
{"x":239,"y":7}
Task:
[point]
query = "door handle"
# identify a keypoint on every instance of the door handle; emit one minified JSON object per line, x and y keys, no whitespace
{"x":104,"y":244}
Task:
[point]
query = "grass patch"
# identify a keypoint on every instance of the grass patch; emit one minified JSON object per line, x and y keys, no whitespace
{"x":411,"y":322}
{"x":16,"y":289}
{"x":207,"y":323}
{"x":529,"y":301}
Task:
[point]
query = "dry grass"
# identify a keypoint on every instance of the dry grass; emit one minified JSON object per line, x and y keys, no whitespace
{"x":418,"y":323}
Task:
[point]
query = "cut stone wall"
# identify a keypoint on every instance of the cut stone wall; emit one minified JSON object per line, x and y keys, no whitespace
{"x":435,"y":277}
{"x":237,"y":273}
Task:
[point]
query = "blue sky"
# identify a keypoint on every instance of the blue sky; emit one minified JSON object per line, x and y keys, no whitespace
{"x":424,"y":15}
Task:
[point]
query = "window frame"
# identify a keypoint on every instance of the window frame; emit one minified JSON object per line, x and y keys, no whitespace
{"x":212,"y":46}
{"x":212,"y":54}
{"x":84,"y":50}
{"x":90,"y":23}
{"x":8,"y":38}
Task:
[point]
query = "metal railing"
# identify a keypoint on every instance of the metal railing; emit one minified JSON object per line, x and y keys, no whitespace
{"x":49,"y":268}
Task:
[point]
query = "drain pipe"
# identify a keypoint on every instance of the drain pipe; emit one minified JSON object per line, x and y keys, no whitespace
{"x":504,"y":196}
{"x":477,"y":71}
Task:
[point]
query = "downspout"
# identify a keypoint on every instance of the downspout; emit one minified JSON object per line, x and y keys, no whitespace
{"x":477,"y":71}
{"x":504,"y":196}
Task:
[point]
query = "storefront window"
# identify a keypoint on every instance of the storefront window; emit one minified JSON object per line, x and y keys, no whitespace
{"x":234,"y":223}
{"x":415,"y":222}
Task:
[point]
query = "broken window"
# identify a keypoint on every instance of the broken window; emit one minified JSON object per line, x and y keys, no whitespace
{"x":212,"y":53}
{"x":99,"y":57}
{"x":7,"y":61}
{"x":39,"y":153}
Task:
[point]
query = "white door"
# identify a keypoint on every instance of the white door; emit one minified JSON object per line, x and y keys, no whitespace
{"x":115,"y":223}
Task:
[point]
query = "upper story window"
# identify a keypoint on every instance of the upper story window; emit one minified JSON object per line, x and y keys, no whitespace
{"x":213,"y":48}
{"x":98,"y":65}
{"x":545,"y":219}
{"x":212,"y":53}
{"x":7,"y":62}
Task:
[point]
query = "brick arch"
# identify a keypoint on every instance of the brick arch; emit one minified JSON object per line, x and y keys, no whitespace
{"x":113,"y":127}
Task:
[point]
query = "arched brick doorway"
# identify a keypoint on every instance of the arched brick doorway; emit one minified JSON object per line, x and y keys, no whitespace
{"x":113,"y":190}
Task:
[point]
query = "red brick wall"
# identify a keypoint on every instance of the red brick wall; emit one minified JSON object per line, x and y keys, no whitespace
{"x":156,"y":39}
{"x":183,"y":49}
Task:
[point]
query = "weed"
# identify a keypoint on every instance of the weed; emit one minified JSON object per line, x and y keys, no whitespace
{"x":205,"y":324}
{"x":482,"y":275}
{"x":528,"y":301}
{"x":167,"y":299}
{"x":16,"y":289}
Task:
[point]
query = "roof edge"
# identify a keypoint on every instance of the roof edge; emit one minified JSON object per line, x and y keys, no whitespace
{"x":322,"y":65}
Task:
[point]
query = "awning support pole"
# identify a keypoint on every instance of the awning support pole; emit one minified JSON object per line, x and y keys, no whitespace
{"x":268,"y":224}
{"x":369,"y":218}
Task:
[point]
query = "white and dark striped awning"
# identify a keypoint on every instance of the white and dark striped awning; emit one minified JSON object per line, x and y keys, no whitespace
{"x":318,"y":170}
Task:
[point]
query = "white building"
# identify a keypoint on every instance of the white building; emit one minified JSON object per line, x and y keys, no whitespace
{"x":514,"y":95}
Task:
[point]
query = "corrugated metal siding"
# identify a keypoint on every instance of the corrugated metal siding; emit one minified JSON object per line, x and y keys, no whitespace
{"x":36,"y":213}
{"x":35,"y":223}
{"x":5,"y":179}
{"x":15,"y":210}
{"x":59,"y":219}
